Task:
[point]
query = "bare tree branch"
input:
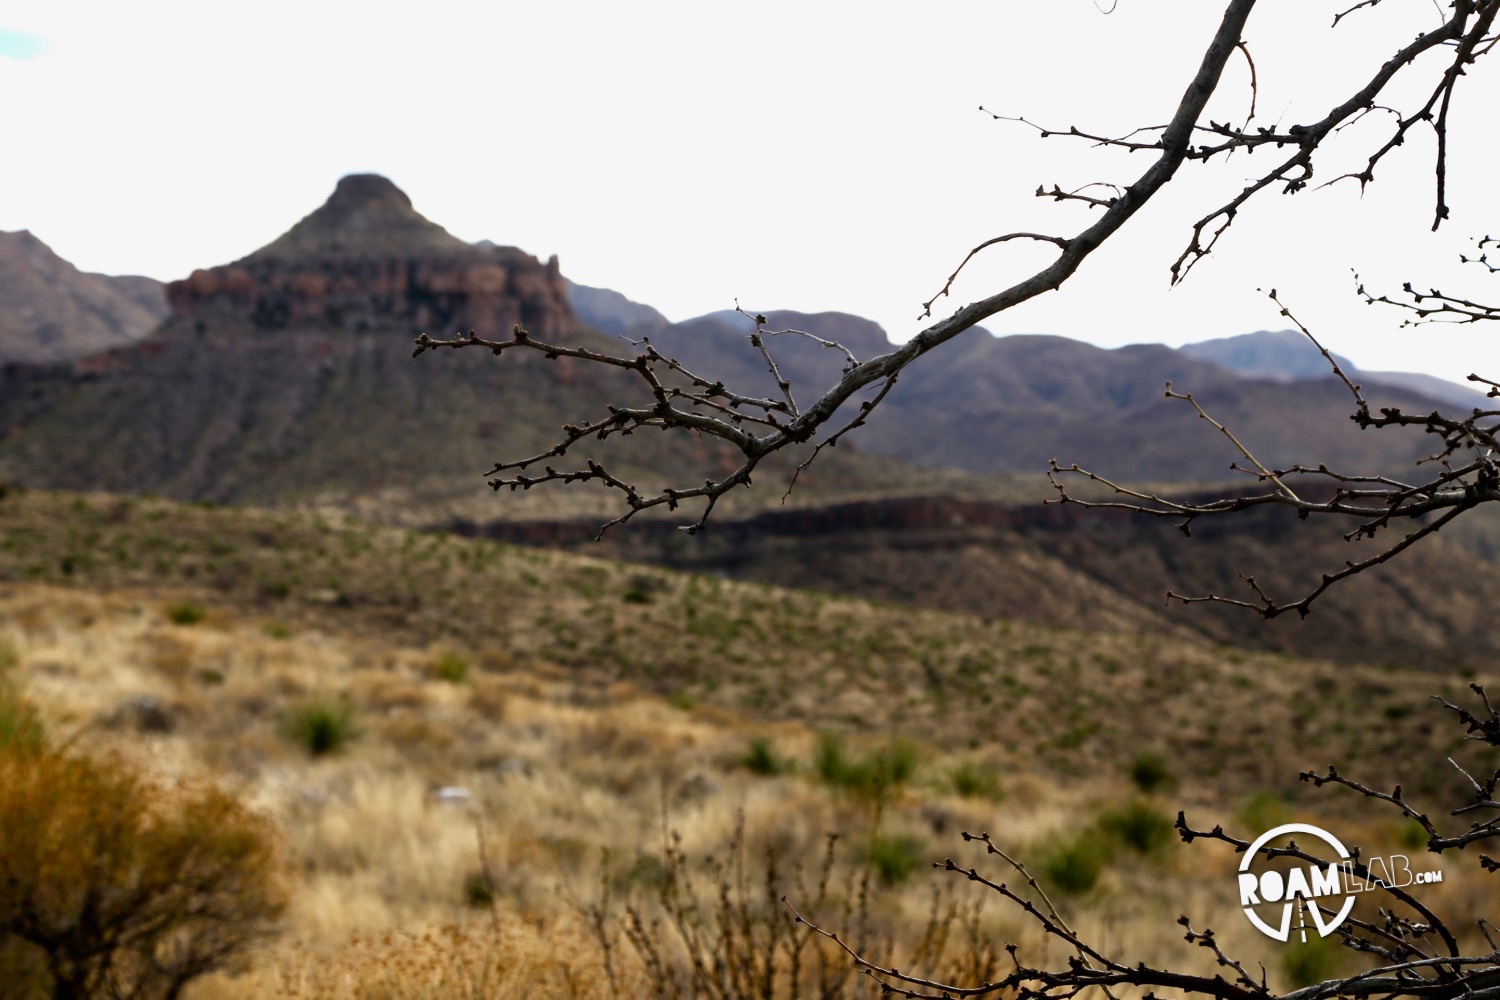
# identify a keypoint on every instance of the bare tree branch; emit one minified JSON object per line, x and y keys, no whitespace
{"x":1416,"y":951}
{"x":1375,"y":502}
{"x":676,"y":399}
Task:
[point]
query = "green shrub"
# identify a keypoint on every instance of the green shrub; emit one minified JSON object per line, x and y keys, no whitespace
{"x":761,"y":758}
{"x":877,"y":776}
{"x":831,"y":762}
{"x":1316,"y":960}
{"x":974,"y":780}
{"x":1149,"y":773}
{"x":898,"y":763}
{"x":186,"y":612}
{"x":895,"y":858}
{"x":1074,"y":866}
{"x":322,"y":726}
{"x":1138,"y":826}
{"x":452,"y":668}
{"x":479,"y":890}
{"x":1262,"y":811}
{"x":1411,"y":835}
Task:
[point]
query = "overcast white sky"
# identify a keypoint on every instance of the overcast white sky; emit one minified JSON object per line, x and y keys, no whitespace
{"x":806,"y":155}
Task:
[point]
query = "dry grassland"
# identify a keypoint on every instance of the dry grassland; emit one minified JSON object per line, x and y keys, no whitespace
{"x":586,"y":708}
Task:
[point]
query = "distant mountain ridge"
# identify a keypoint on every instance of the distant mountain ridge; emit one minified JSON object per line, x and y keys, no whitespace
{"x":52,"y":312}
{"x":1010,"y":404}
{"x":1287,"y":355}
{"x":287,"y":373}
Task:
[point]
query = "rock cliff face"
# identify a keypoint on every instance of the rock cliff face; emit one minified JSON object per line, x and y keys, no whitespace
{"x":367,"y":257}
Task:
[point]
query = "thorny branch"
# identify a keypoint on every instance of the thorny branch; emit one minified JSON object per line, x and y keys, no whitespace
{"x":1468,"y":474}
{"x":1416,"y":951}
{"x":675,"y":399}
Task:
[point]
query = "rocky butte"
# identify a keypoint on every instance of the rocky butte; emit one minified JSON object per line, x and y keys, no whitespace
{"x":367,"y":257}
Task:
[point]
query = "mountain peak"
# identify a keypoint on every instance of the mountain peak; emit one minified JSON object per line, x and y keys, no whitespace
{"x":367,"y":258}
{"x":367,"y":216}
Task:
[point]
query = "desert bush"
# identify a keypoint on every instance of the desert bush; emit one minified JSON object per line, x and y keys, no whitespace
{"x":452,"y":668}
{"x":1138,"y":826}
{"x":321,"y":725}
{"x":878,"y":776}
{"x":894,"y":859}
{"x":115,"y":887}
{"x":1149,"y":773}
{"x":1316,"y":960}
{"x":974,"y":780}
{"x":761,"y":758}
{"x":186,"y":612}
{"x":1074,"y":865}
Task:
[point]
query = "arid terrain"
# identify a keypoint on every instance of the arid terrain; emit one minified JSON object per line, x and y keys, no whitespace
{"x":528,"y":729}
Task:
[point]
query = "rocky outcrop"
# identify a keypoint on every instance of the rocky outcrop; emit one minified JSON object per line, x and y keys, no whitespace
{"x":367,"y":256}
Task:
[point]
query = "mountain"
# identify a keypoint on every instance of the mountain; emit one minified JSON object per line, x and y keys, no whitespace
{"x":54,"y":312}
{"x":1282,"y":355}
{"x":287,"y":376}
{"x":368,"y":258}
{"x":288,"y":373}
{"x":990,"y":405}
{"x":609,"y":311}
{"x":1287,"y":355}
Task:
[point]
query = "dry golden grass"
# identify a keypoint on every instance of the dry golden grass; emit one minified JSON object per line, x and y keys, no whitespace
{"x":587,"y":720}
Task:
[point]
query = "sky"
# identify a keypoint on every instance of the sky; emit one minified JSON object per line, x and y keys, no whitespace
{"x":812,"y":155}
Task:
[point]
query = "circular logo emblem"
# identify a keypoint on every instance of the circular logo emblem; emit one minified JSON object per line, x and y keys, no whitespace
{"x":1303,"y":890}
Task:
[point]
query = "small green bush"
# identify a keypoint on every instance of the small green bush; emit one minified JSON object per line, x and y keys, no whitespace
{"x":322,"y":726}
{"x":1074,"y":866}
{"x":479,"y":890}
{"x":761,"y":758}
{"x":895,"y":858}
{"x":186,"y":612}
{"x":1149,"y":772}
{"x":877,"y":776}
{"x":831,"y":761}
{"x":974,"y":780}
{"x":1138,"y":826}
{"x":1316,"y":960}
{"x":1262,"y":811}
{"x":452,"y":668}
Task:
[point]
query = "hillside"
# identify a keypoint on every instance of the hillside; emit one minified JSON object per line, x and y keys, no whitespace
{"x":52,"y":312}
{"x":579,"y":704}
{"x":1069,"y":568}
